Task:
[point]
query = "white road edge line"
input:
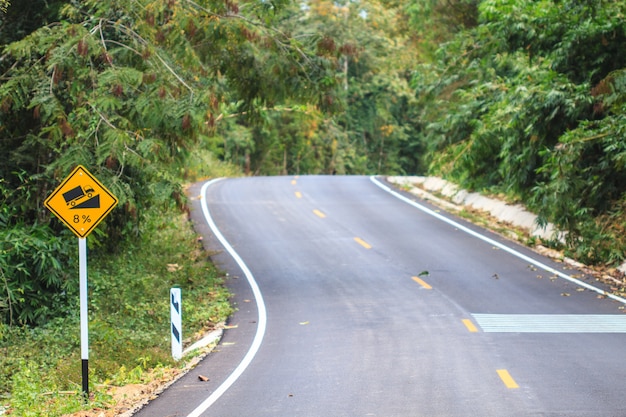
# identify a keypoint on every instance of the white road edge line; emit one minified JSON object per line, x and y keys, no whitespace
{"x":262,"y":320}
{"x":497,"y":244}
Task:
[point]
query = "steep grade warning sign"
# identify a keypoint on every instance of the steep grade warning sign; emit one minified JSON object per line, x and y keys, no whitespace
{"x":81,"y":202}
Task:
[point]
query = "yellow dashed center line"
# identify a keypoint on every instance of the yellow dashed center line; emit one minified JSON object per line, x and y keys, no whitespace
{"x":319,"y":213}
{"x":298,"y":194}
{"x":423,"y":283}
{"x":470,"y":326}
{"x":509,"y":382}
{"x":362,"y":243}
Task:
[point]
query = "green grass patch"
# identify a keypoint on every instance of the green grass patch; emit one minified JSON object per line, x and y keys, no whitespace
{"x":129,"y":322}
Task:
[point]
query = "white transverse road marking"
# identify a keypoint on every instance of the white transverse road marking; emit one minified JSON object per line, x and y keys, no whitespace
{"x":551,"y":323}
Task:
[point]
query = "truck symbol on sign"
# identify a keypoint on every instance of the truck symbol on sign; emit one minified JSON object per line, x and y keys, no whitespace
{"x":77,"y":193}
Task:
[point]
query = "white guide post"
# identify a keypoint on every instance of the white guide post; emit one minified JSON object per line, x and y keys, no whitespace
{"x":176,"y":313}
{"x":84,"y":313}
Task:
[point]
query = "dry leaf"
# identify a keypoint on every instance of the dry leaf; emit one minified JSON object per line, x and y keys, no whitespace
{"x":203,"y":378}
{"x":565,"y":294}
{"x":173,"y":267}
{"x":303,"y":323}
{"x":234,"y":326}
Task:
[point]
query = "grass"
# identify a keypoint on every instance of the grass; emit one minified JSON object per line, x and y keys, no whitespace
{"x":40,"y":368}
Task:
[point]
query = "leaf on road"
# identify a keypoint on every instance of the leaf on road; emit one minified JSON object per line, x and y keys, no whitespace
{"x":304,"y":323}
{"x":234,"y":326}
{"x":423,"y":274}
{"x":565,"y":294}
{"x":203,"y":378}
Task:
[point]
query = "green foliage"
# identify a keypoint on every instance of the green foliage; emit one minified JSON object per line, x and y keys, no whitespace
{"x":129,"y":322}
{"x":33,"y":275}
{"x":371,"y":58}
{"x":529,"y":102}
{"x":433,"y":22}
{"x":134,"y":91}
{"x":34,"y":391}
{"x":585,"y":190}
{"x":34,"y":266}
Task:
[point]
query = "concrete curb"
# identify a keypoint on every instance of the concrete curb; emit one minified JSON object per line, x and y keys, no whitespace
{"x":212,"y":337}
{"x":456,"y":198}
{"x":513,"y":214}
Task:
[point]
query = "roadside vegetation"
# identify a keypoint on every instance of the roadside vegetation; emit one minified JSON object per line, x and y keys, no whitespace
{"x":528,"y":100}
{"x":129,"y":320}
{"x":520,"y":98}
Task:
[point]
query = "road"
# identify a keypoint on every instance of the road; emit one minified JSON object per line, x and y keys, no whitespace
{"x":353,"y":302}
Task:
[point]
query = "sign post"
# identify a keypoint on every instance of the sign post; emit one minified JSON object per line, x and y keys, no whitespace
{"x":84,"y":313}
{"x":82,"y":202}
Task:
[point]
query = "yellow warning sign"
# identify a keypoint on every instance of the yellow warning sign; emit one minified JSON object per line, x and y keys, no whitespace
{"x":81,"y":202}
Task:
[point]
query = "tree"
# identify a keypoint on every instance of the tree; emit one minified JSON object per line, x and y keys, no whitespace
{"x":506,"y":103}
{"x":130,"y":89}
{"x":371,"y":60}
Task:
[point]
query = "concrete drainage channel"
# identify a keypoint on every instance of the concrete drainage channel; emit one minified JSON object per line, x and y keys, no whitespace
{"x":456,"y":198}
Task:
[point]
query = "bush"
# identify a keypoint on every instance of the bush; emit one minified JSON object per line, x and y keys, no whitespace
{"x":129,"y":326}
{"x":36,"y":281}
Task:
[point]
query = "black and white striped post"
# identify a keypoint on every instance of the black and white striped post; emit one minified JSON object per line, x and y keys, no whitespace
{"x":176,"y":313}
{"x":84,"y":313}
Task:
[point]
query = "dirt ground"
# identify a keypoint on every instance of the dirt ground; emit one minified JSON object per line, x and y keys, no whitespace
{"x":129,"y":399}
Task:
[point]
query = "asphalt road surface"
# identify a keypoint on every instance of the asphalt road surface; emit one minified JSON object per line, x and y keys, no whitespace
{"x":354,"y":301}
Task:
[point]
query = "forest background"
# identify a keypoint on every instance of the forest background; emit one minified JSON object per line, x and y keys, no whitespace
{"x":525,"y":99}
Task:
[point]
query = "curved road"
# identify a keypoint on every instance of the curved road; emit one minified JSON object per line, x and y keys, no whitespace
{"x":353,"y":302}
